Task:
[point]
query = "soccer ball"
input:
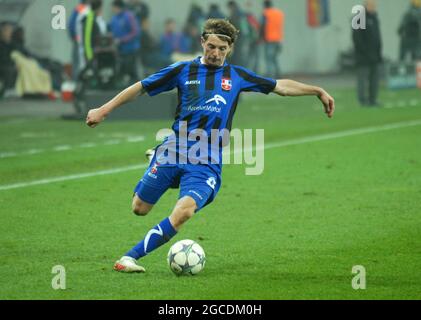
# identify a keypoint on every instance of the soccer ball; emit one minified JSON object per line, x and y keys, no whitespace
{"x":186,"y":257}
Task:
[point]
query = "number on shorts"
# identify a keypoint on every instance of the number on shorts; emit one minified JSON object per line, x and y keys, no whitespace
{"x":211,"y":182}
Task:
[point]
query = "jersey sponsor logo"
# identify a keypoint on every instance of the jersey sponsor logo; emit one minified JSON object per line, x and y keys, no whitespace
{"x":217,"y":98}
{"x":226,"y":84}
{"x":204,"y":108}
{"x":192,"y":82}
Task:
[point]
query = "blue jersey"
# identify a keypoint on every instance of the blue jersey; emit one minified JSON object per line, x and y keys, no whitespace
{"x":207,"y":100}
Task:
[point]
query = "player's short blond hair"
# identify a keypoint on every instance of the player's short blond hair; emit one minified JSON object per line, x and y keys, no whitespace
{"x":222,"y":28}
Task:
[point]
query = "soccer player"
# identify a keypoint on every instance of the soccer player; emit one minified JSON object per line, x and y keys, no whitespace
{"x":208,"y":89}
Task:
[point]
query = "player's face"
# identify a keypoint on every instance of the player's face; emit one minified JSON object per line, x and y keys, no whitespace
{"x":215,"y":50}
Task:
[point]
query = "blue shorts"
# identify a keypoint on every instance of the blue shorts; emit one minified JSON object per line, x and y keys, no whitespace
{"x":197,"y":181}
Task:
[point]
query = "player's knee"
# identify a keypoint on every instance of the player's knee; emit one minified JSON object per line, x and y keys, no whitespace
{"x":180,"y":217}
{"x":186,"y":213}
{"x":140,"y":211}
{"x":140,"y":208}
{"x":182,"y":213}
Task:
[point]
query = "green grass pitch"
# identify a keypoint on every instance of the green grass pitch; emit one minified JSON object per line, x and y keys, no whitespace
{"x":294,"y":232}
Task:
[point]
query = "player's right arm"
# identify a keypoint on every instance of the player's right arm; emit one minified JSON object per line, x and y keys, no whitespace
{"x":95,"y":116}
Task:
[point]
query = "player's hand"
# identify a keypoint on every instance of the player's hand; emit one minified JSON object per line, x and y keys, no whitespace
{"x":328,"y":103}
{"x":94,"y":117}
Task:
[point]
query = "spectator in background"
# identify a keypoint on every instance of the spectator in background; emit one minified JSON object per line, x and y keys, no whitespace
{"x":150,"y":53}
{"x":253,"y":39}
{"x":89,"y":29}
{"x":273,"y":35}
{"x":18,"y":41}
{"x":186,"y":44}
{"x":81,"y":8}
{"x":55,"y":68}
{"x":140,"y":9}
{"x":20,"y":73}
{"x":238,"y":19}
{"x":171,"y":40}
{"x":8,"y":70}
{"x":196,"y":16}
{"x":368,"y":56}
{"x":126,"y":32}
{"x":215,"y":12}
{"x":190,"y":40}
{"x":410,"y":32}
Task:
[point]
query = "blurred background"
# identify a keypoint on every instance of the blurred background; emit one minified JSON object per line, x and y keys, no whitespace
{"x":130,"y":39}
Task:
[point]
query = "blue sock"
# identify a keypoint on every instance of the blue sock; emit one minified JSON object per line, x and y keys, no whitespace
{"x":155,"y":238}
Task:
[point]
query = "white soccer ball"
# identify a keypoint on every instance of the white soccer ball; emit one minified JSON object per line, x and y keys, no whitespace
{"x":186,"y":257}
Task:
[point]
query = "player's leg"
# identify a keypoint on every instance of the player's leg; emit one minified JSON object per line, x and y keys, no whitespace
{"x":165,"y":230}
{"x":198,"y":188}
{"x":140,"y":207}
{"x":373,"y":84}
{"x":155,"y":238}
{"x":183,"y":211}
{"x":362,"y":79}
{"x":153,"y":185}
{"x":277,"y":48}
{"x":269,"y":65}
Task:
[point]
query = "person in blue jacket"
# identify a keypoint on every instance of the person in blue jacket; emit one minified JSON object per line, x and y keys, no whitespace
{"x":126,"y":32}
{"x":79,"y":10}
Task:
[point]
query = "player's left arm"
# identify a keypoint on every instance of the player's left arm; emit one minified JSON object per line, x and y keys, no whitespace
{"x":293,"y":88}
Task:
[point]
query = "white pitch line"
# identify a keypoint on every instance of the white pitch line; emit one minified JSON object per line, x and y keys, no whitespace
{"x":8,"y":154}
{"x":402,"y":104}
{"x":322,"y":137}
{"x":62,"y":148}
{"x":87,"y":145}
{"x":34,"y":151}
{"x":72,"y":177}
{"x":414,"y":103}
{"x":341,"y":134}
{"x":133,"y":139}
{"x":112,"y":142}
